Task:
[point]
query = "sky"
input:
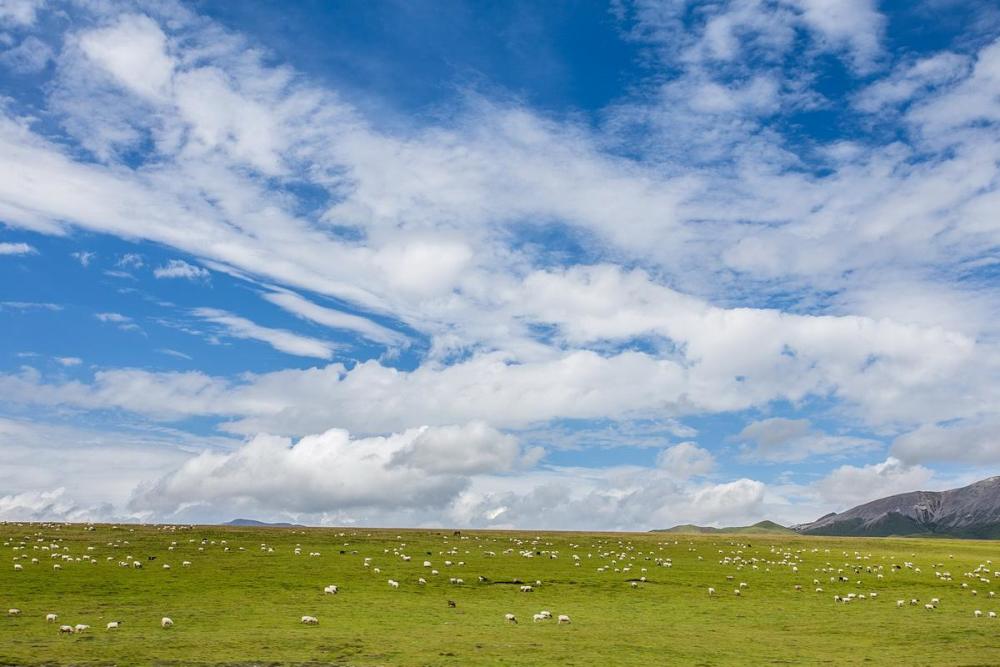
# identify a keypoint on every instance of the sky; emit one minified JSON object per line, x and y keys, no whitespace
{"x":560,"y":265}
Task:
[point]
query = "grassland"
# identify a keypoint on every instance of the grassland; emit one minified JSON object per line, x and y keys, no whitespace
{"x":243,"y":606}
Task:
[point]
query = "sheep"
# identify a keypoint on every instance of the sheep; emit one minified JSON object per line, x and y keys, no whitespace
{"x":51,"y":618}
{"x":166,"y":567}
{"x":81,"y":627}
{"x":929,"y":607}
{"x":900,"y":603}
{"x":310,"y":620}
{"x":330,"y":590}
{"x":526,"y":589}
{"x":114,"y":625}
{"x":451,"y":603}
{"x":66,"y":629}
{"x":711,"y":591}
{"x":393,"y":583}
{"x":634,"y":584}
{"x":166,"y":622}
{"x":421,"y":581}
{"x":510,"y":618}
{"x":991,"y":614}
{"x":977,"y":613}
{"x":186,"y":563}
{"x":537,"y":617}
{"x":563,"y":618}
{"x":18,"y":567}
{"x":545,"y":614}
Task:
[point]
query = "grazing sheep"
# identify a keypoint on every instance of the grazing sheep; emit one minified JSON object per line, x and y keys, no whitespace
{"x":929,"y":607}
{"x":51,"y":618}
{"x":166,"y":622}
{"x":330,"y":590}
{"x":526,"y":589}
{"x":393,"y":583}
{"x":537,"y":617}
{"x":634,"y":584}
{"x":186,"y":563}
{"x":13,"y":612}
{"x":510,"y":618}
{"x":900,"y":603}
{"x":18,"y":567}
{"x":545,"y":614}
{"x":81,"y":627}
{"x":114,"y":625}
{"x":310,"y":620}
{"x":563,"y":618}
{"x":66,"y":629}
{"x":977,"y":613}
{"x":421,"y":581}
{"x":711,"y":591}
{"x":991,"y":614}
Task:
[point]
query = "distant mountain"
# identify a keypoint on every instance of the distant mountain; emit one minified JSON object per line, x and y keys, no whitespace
{"x":261,"y":524}
{"x":971,"y":512}
{"x":759,"y":528}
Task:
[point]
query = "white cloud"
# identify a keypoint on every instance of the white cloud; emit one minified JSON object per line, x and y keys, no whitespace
{"x":19,"y":12}
{"x":972,"y":441}
{"x":424,"y":468}
{"x":335,"y":319}
{"x":686,"y":460}
{"x":781,"y":439}
{"x":279,"y":339}
{"x":16,"y":249}
{"x":30,"y":56}
{"x":848,"y":485}
{"x":178,"y":268}
{"x":133,"y":51}
{"x":69,"y":361}
{"x":85,"y":257}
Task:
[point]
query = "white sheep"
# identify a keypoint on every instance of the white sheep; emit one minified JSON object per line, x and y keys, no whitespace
{"x":186,"y":563}
{"x":711,"y":591}
{"x":330,"y":590}
{"x":81,"y":627}
{"x":510,"y":618}
{"x":991,"y":614}
{"x":393,"y":583}
{"x":51,"y":618}
{"x":13,"y":612}
{"x":166,"y":622}
{"x":900,"y":603}
{"x":563,"y":618}
{"x":66,"y":629}
{"x":526,"y":589}
{"x":421,"y":580}
{"x":18,"y":567}
{"x":310,"y":620}
{"x":114,"y":625}
{"x":537,"y":617}
{"x":977,"y":613}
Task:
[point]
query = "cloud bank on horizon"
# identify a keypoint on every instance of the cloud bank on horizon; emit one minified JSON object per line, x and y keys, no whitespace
{"x":437,"y":263}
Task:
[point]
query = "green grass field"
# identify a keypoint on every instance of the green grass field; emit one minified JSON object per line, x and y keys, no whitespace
{"x":241,"y":607}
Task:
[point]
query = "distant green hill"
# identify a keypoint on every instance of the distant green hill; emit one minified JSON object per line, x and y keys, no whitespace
{"x":759,"y":528}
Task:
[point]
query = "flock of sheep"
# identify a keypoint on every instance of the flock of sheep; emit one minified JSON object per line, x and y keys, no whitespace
{"x":605,"y":555}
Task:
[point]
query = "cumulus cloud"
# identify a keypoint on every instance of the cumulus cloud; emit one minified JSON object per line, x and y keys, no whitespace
{"x":686,"y":460}
{"x":424,"y":467}
{"x":849,"y":485}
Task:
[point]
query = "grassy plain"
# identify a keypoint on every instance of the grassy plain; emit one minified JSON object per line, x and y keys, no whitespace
{"x":242,"y":606}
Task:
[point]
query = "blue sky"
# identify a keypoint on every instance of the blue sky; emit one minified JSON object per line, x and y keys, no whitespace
{"x":541,"y":265}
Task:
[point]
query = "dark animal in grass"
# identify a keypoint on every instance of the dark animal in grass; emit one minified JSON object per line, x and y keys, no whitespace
{"x":451,"y":603}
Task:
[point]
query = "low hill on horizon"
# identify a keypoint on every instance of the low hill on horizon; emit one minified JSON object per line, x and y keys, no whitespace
{"x":759,"y":528}
{"x":261,"y":524}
